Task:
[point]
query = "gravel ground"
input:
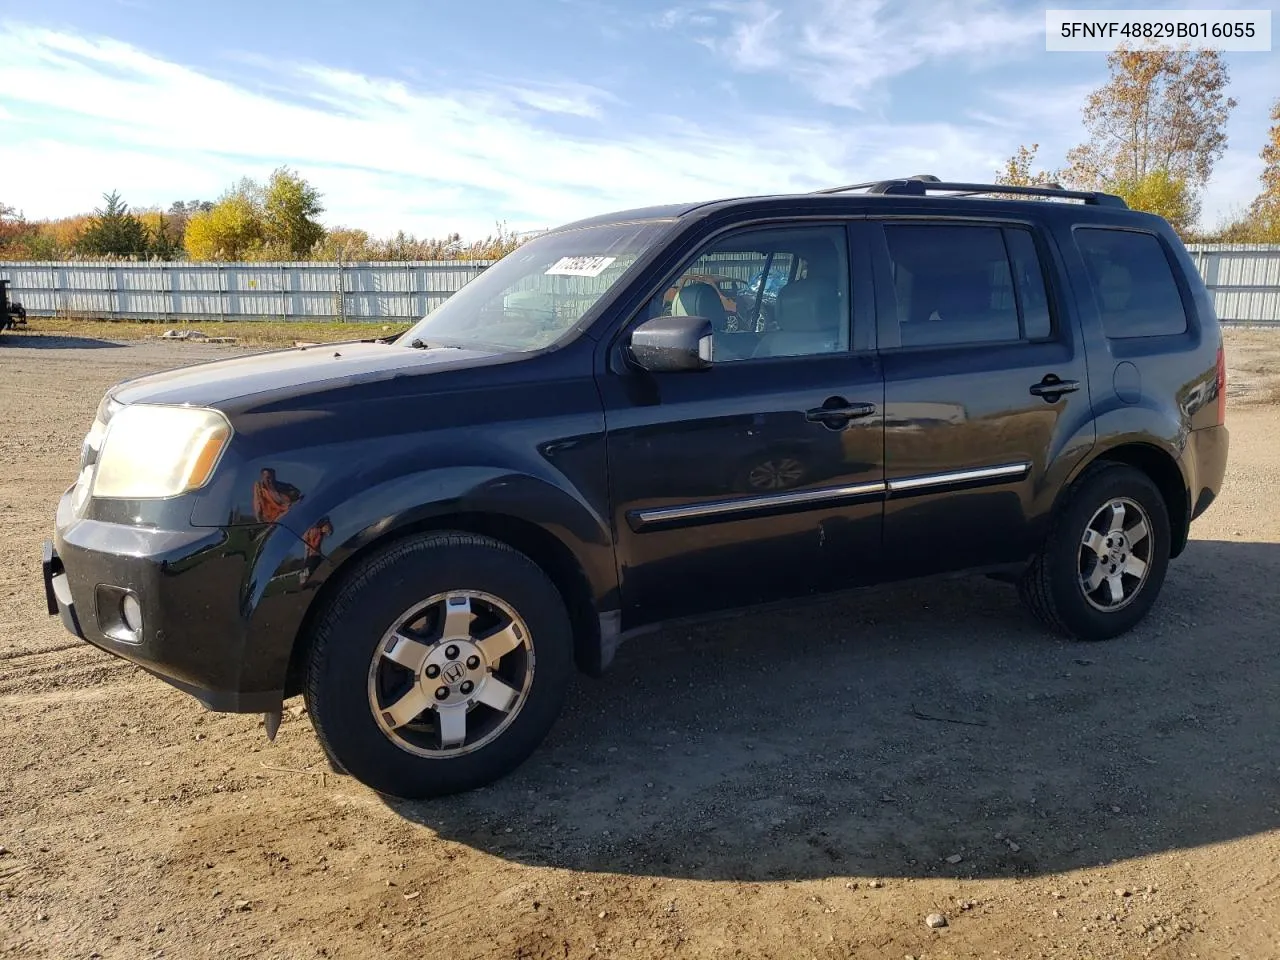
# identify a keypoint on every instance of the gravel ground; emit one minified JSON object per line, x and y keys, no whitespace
{"x":721,"y":793}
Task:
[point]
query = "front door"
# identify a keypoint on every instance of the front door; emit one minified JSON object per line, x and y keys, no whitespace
{"x":762,"y":477}
{"x":986,"y":398}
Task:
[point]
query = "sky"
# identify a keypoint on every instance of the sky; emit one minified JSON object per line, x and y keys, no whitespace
{"x":435,"y":117}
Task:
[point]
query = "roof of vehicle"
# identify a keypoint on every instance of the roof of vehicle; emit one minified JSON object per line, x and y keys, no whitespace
{"x":921,"y":188}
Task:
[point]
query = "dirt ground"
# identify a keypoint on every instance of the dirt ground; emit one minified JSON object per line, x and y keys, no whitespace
{"x":785,"y":785}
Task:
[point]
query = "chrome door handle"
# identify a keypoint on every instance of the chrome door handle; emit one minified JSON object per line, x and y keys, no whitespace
{"x":1051,"y":388}
{"x":836,"y":412}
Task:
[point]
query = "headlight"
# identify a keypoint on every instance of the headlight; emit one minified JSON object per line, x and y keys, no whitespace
{"x":150,"y":452}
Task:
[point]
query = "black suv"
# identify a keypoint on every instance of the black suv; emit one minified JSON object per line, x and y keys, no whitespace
{"x":425,"y":537}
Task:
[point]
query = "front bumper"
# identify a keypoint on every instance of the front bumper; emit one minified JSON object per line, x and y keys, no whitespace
{"x":203,"y":607}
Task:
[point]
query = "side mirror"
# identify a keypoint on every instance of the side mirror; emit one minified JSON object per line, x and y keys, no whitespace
{"x":673,"y":344}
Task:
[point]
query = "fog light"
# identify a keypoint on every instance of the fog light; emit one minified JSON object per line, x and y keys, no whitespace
{"x":131,"y":610}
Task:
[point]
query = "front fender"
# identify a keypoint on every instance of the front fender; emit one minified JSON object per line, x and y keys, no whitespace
{"x":346,"y":526}
{"x":321,"y":534}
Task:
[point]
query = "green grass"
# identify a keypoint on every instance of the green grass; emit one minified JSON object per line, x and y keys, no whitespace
{"x":252,"y":333}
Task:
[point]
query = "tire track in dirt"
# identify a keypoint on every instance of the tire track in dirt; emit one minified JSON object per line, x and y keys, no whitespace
{"x":20,"y":654}
{"x":41,"y":671}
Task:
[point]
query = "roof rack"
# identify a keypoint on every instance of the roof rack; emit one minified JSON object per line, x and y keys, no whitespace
{"x":923,"y":184}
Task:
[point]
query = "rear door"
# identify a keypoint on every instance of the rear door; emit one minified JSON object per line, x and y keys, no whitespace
{"x":986,"y":398}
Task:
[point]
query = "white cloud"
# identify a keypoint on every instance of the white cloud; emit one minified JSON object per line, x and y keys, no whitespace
{"x":841,"y":50}
{"x":1048,"y":115}
{"x":570,"y":99}
{"x":88,"y":114}
{"x":675,"y":17}
{"x":95,"y":114}
{"x":753,"y":39}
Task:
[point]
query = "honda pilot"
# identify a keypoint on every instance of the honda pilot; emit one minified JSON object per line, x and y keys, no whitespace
{"x":426,"y":537}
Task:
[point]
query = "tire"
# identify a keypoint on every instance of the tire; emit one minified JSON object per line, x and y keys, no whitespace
{"x":1055,"y":584}
{"x":389,"y":610}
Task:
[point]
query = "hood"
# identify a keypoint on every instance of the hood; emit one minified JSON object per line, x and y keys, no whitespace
{"x":219,"y":381}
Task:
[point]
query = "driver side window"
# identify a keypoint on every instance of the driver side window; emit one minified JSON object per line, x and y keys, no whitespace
{"x":774,"y":292}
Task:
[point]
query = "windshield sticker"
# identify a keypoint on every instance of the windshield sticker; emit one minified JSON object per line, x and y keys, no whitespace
{"x":579,"y":266}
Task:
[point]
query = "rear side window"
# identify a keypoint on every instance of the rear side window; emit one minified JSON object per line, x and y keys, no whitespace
{"x":1133,"y":283}
{"x":960,"y":284}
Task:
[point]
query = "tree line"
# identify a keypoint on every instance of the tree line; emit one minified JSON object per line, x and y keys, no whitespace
{"x":277,"y":220}
{"x":1155,"y":129}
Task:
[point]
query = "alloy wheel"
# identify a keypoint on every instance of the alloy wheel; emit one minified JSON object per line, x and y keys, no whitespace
{"x":1115,"y":554}
{"x":451,"y":674}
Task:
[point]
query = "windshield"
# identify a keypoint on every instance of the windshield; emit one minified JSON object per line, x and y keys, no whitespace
{"x":536,"y":294}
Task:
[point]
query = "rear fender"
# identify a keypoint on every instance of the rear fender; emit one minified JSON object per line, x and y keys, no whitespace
{"x":1153,"y":440}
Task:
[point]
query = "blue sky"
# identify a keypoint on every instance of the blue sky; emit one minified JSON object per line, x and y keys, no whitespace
{"x":435,"y":117}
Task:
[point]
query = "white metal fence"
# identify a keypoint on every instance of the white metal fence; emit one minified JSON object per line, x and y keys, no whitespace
{"x":1243,"y":278}
{"x":239,"y":291}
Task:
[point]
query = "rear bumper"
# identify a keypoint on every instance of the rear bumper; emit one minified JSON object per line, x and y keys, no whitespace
{"x":201,"y":604}
{"x":1206,"y":458}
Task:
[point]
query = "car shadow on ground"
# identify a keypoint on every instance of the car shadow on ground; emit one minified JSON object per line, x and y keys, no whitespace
{"x":51,"y":341}
{"x":881,"y":733}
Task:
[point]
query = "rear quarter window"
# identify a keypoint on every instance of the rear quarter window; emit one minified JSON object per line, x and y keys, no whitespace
{"x":1133,"y":283}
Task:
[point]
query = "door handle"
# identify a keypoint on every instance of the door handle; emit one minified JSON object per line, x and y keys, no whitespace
{"x":837,"y":412}
{"x":1051,"y":388}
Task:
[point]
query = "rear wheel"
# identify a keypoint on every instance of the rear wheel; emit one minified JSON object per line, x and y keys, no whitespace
{"x":439,"y":665}
{"x":1105,"y":559}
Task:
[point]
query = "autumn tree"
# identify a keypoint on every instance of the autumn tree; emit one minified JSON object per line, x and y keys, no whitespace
{"x":164,"y":233}
{"x":229,"y":230}
{"x":15,"y":232}
{"x":184,"y":209}
{"x":1264,"y":212}
{"x":1019,"y":170}
{"x":1156,"y":127}
{"x":114,"y":231}
{"x":255,"y":222}
{"x":290,"y":207}
{"x":168,"y":226}
{"x":1163,"y":194}
{"x":250,"y":221}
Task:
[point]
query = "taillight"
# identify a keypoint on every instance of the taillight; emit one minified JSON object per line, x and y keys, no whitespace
{"x":1222,"y":387}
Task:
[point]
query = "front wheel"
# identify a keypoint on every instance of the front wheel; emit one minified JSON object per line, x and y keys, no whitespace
{"x":439,"y":665}
{"x":1105,"y":559}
